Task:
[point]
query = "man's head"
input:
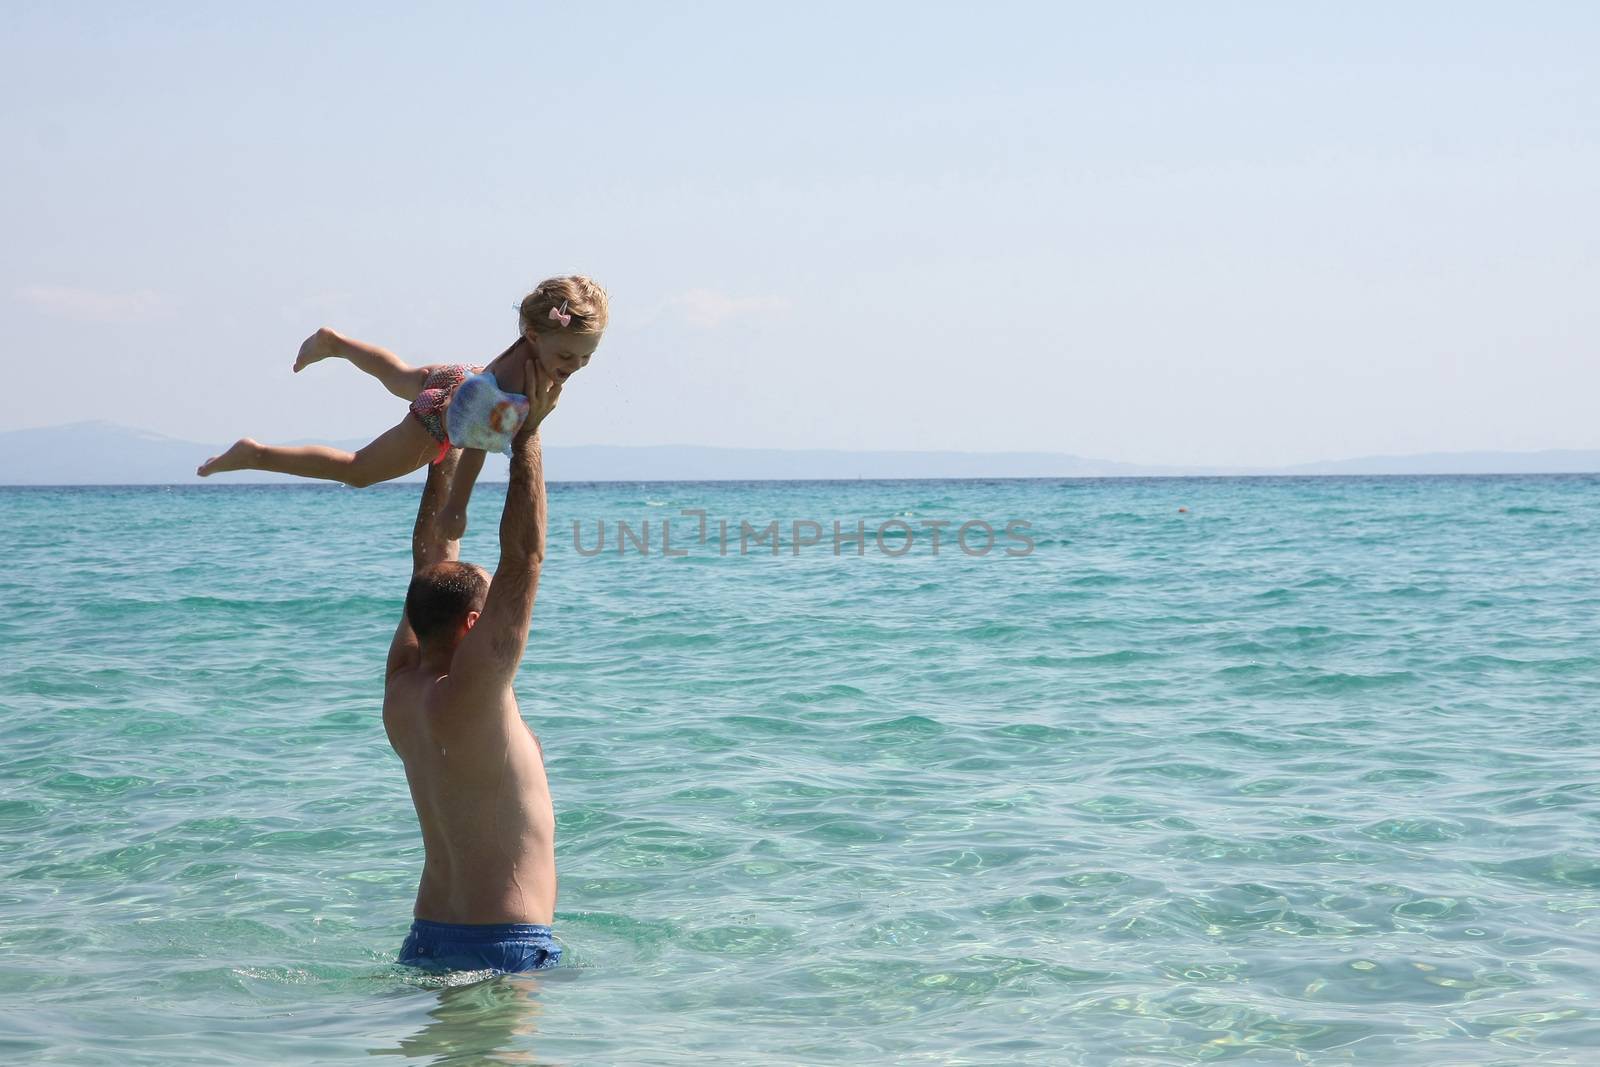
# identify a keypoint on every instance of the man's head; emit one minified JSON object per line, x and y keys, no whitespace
{"x":443,"y":603}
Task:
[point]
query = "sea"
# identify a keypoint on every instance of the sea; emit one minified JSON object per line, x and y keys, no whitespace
{"x":1163,"y":771}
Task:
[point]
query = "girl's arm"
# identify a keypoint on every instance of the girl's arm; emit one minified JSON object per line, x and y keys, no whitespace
{"x":453,"y":519}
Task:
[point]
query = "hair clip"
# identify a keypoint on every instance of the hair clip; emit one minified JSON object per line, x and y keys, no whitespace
{"x":561,"y":315}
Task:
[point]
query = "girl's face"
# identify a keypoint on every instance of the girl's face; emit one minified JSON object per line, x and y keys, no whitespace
{"x":561,"y":354}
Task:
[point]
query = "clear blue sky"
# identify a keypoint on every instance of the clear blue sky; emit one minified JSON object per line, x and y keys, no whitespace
{"x":1188,"y":233}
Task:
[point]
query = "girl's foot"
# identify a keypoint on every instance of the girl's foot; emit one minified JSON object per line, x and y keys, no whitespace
{"x":318,"y":346}
{"x":240,"y":457}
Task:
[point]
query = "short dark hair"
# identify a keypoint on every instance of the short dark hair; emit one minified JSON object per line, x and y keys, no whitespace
{"x":440,"y":597}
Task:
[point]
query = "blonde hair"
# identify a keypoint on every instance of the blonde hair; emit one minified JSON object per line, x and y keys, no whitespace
{"x":585,"y":301}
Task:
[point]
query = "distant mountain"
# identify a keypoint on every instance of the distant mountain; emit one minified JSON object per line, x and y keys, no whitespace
{"x":96,"y":453}
{"x":1552,"y":461}
{"x":103,"y":453}
{"x":595,"y":463}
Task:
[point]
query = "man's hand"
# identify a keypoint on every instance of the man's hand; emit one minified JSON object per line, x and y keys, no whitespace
{"x":542,"y":396}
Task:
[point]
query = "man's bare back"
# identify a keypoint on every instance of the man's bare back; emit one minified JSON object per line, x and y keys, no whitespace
{"x":477,"y":780}
{"x":488,"y":890}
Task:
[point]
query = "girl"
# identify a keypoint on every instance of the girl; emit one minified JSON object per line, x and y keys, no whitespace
{"x":561,"y":322}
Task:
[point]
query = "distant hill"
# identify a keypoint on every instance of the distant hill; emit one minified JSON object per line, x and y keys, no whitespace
{"x":103,"y":453}
{"x":697,"y":462}
{"x":1552,"y":461}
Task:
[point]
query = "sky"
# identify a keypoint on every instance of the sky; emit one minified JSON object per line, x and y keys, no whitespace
{"x":1223,"y":233}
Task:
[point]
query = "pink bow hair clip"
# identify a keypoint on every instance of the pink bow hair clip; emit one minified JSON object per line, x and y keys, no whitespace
{"x":560,"y":315}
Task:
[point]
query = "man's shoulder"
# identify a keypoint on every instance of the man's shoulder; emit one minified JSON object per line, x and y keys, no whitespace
{"x":416,"y":687}
{"x":411,"y":686}
{"x":457,"y":704}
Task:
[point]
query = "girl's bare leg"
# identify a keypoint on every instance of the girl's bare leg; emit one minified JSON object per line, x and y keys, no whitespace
{"x":398,"y":451}
{"x":402,"y":380}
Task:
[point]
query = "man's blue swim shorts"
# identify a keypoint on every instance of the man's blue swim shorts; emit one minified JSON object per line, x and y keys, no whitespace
{"x":506,"y":947}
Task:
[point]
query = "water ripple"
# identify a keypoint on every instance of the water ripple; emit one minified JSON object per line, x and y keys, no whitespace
{"x":1305,"y":775}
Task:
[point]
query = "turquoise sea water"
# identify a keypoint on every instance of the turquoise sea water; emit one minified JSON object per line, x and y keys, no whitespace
{"x":1307,"y":774}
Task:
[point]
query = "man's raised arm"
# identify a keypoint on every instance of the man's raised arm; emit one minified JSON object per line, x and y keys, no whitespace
{"x":428,"y":546}
{"x":486,"y":661}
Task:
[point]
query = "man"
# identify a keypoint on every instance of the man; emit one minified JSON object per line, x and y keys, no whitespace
{"x":476,"y":772}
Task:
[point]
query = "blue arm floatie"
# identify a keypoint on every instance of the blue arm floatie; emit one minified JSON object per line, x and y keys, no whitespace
{"x":481,"y":415}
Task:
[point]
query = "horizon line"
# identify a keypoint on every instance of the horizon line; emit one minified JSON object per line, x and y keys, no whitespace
{"x":319,"y":483}
{"x":1176,"y":470}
